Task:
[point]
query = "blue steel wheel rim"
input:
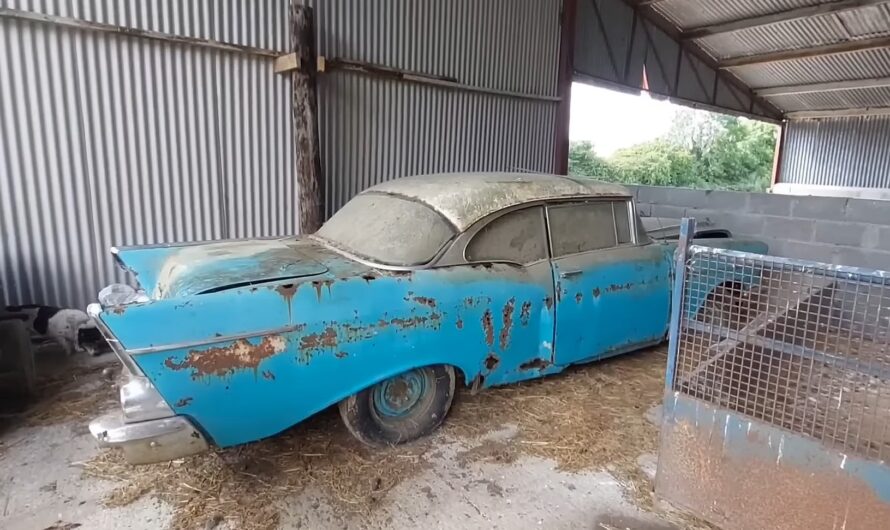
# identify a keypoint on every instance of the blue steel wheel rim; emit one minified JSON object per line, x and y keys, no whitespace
{"x":398,"y":396}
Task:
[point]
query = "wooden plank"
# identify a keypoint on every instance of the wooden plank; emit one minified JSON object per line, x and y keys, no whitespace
{"x":85,"y":25}
{"x":286,"y":63}
{"x":803,"y":53}
{"x":783,"y":302}
{"x":781,"y":16}
{"x":838,"y":113}
{"x":850,"y":84}
{"x":310,"y":181}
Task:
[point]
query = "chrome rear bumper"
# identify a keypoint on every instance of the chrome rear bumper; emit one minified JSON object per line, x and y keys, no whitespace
{"x":147,"y":442}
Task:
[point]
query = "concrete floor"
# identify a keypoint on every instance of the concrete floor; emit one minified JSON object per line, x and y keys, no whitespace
{"x":42,"y":485}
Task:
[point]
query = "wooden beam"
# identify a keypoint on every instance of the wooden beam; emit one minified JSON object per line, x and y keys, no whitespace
{"x":85,"y":25}
{"x":838,"y":113}
{"x":310,"y":181}
{"x":781,"y":16}
{"x":804,"y":53}
{"x":564,"y":86}
{"x":851,"y":84}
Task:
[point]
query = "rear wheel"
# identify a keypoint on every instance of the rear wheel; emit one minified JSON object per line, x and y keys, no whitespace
{"x":401,"y":408}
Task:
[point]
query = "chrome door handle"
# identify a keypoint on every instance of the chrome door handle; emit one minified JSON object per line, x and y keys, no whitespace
{"x":569,"y":274}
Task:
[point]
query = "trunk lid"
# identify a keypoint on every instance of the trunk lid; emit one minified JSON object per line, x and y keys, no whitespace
{"x":183,"y":270}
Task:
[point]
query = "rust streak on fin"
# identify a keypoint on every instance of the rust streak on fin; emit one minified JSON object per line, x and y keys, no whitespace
{"x":488,"y":327}
{"x":507,"y":322}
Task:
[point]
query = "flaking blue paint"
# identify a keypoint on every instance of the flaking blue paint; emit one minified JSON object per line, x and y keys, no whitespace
{"x":349,"y":326}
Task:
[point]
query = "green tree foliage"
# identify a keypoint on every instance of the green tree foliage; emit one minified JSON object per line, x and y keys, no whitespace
{"x":702,"y":150}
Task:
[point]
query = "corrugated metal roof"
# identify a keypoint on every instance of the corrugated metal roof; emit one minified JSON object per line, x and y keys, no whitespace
{"x":695,"y":13}
{"x":862,"y":64}
{"x":842,"y":25}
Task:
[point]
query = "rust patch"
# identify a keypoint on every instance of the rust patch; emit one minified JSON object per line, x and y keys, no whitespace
{"x":596,"y":292}
{"x":184,"y":402}
{"x":535,"y":364}
{"x":578,"y":298}
{"x":459,"y":323}
{"x":268,"y":375}
{"x":224,"y":361}
{"x":469,"y":302}
{"x":492,"y":361}
{"x":341,"y":354}
{"x":286,"y":291}
{"x":317,"y":341}
{"x":488,"y":327}
{"x":412,"y":322}
{"x":424,"y":300}
{"x":119,"y":310}
{"x":369,"y":277}
{"x":319,"y":284}
{"x":525,"y":313}
{"x":548,"y":302}
{"x":508,"y":323}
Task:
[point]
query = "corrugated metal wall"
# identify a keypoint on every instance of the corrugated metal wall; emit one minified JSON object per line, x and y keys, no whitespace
{"x":851,"y":152}
{"x":375,"y":129}
{"x":116,"y":140}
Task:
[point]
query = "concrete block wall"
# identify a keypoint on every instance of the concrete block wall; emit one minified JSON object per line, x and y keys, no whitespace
{"x":837,"y":230}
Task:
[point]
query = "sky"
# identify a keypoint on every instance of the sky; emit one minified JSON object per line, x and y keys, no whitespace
{"x":612,"y":120}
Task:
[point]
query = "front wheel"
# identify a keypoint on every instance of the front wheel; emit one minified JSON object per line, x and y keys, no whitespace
{"x":401,"y":408}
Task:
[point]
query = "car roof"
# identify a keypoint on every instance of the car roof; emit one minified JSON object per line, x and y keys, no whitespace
{"x":464,"y":198}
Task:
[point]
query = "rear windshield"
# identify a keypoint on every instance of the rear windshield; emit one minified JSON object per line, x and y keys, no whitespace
{"x":387,"y":229}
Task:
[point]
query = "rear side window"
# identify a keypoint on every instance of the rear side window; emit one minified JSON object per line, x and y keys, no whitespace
{"x":581,"y":227}
{"x":517,"y":236}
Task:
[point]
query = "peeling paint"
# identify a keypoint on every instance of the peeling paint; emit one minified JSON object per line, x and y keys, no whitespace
{"x":316,"y":341}
{"x":492,"y":361}
{"x":459,"y":323}
{"x":184,"y":402}
{"x":341,"y":354}
{"x":548,"y":302}
{"x":619,"y":287}
{"x":578,"y":298}
{"x":488,"y":327}
{"x":534,"y":364}
{"x":423,"y":300}
{"x":596,"y":292}
{"x":224,"y":361}
{"x":507,"y":323}
{"x":268,"y":375}
{"x":526,"y":313}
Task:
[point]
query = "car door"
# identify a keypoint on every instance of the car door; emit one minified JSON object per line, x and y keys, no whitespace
{"x":509,"y":272}
{"x":612,"y":285}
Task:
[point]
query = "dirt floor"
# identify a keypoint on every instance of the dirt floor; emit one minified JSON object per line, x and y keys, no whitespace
{"x":569,"y":451}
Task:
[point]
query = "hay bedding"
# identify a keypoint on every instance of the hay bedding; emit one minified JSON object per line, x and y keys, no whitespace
{"x":591,"y":417}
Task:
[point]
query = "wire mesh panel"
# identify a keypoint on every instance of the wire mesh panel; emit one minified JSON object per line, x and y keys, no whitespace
{"x":798,"y":345}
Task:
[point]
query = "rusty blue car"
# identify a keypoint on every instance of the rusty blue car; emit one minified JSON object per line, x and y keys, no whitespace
{"x":413,"y":285}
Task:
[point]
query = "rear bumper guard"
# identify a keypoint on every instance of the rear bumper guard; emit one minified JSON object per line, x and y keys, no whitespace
{"x":148,"y":442}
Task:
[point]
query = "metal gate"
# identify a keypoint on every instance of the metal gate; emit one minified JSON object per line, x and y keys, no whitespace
{"x":777,"y":399}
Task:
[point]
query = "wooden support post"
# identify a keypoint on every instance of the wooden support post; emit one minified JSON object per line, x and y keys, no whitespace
{"x":310,"y":180}
{"x":564,"y":86}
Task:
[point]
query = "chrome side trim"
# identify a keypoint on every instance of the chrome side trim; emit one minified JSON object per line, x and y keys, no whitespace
{"x":94,"y":311}
{"x":212,"y":340}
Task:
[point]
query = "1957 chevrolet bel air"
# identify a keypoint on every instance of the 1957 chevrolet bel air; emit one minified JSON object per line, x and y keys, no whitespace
{"x":494,"y":277}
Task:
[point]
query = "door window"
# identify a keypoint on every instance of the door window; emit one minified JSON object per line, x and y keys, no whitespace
{"x":517,"y":237}
{"x":581,"y":227}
